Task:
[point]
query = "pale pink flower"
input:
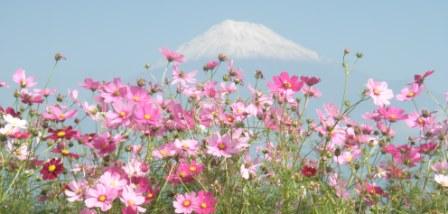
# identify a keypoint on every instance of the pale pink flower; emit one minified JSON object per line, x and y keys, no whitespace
{"x":164,"y":151}
{"x":20,"y":78}
{"x":132,"y":199}
{"x":75,"y":190}
{"x":136,"y":168}
{"x":410,"y":92}
{"x":185,"y":203}
{"x":58,"y":113}
{"x":112,"y":180}
{"x":379,"y":92}
{"x":183,"y":78}
{"x":100,"y":196}
{"x":187,"y":147}
{"x":221,"y":146}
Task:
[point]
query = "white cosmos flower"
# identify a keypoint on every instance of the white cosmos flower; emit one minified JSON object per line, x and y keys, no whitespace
{"x":13,"y":124}
{"x":441,"y":179}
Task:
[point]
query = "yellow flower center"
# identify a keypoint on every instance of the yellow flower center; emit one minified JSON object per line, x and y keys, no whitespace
{"x":203,"y":205}
{"x":410,"y":94}
{"x":116,"y":93}
{"x":61,"y":116}
{"x":287,"y":85}
{"x":193,"y":168}
{"x":102,"y":198}
{"x":376,"y":91}
{"x":186,"y":203}
{"x":147,"y":116}
{"x":136,"y":98}
{"x":149,"y":195}
{"x":122,"y":114}
{"x":61,"y":134}
{"x":221,"y":146}
{"x":52,"y":168}
{"x":65,"y":152}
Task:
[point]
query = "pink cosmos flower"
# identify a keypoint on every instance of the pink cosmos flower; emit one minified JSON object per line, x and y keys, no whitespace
{"x":221,"y":146}
{"x":205,"y":203}
{"x":211,"y":65}
{"x":284,"y":82}
{"x":392,"y":114}
{"x":91,"y":84}
{"x":104,"y":144}
{"x":185,"y":203}
{"x":187,"y":147}
{"x":186,"y":171}
{"x":132,"y":199}
{"x":100,"y":196}
{"x":121,"y":115}
{"x":171,"y":55}
{"x":348,"y":155}
{"x":379,"y":92}
{"x":30,"y":98}
{"x":112,"y":180}
{"x":20,"y":78}
{"x":87,"y":211}
{"x":138,"y":95}
{"x":147,"y":113}
{"x":183,"y":78}
{"x":423,"y":120}
{"x":404,"y":154}
{"x":164,"y":151}
{"x":136,"y":168}
{"x":113,"y":91}
{"x":75,"y":190}
{"x":410,"y":92}
{"x":339,"y":185}
{"x":58,"y":113}
{"x":440,"y":167}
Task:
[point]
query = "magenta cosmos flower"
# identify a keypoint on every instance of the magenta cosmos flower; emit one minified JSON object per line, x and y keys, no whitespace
{"x":100,"y":196}
{"x":20,"y":78}
{"x":185,"y":203}
{"x":284,"y":82}
{"x":392,"y":114}
{"x":171,"y":55}
{"x":379,"y":92}
{"x":205,"y":203}
{"x":52,"y":169}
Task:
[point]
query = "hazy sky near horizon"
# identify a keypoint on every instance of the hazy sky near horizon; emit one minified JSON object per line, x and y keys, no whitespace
{"x":104,"y":39}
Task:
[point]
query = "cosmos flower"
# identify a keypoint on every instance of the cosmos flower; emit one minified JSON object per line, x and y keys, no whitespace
{"x":52,"y":169}
{"x":75,"y":190}
{"x":185,"y":203}
{"x":132,"y":199}
{"x":58,"y":113}
{"x":379,"y":92}
{"x":172,"y":56}
{"x":20,"y":78}
{"x":284,"y":82}
{"x":100,"y":196}
{"x":205,"y":203}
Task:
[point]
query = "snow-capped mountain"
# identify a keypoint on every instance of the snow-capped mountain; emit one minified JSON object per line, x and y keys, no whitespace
{"x":244,"y":40}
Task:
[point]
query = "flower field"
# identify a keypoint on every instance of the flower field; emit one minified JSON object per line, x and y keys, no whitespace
{"x":216,"y":143}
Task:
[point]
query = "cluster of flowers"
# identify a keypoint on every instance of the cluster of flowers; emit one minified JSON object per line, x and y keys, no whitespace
{"x":152,"y":145}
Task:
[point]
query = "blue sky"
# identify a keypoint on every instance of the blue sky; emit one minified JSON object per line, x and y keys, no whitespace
{"x":104,"y":39}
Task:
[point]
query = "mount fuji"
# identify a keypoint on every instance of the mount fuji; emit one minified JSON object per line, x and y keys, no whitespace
{"x":245,"y":40}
